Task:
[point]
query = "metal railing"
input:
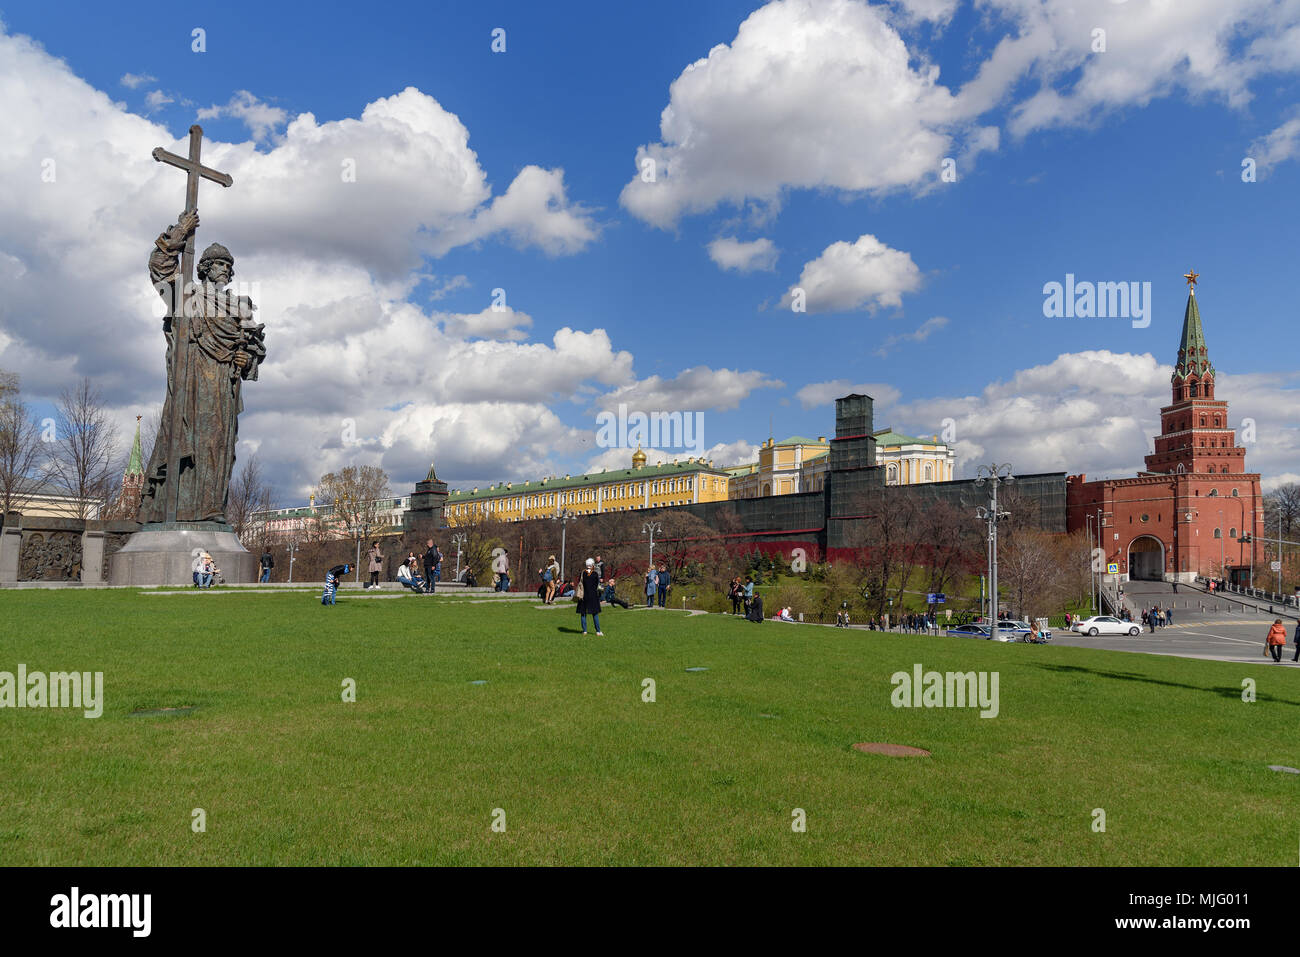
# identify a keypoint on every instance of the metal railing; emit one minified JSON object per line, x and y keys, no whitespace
{"x":1248,"y":597}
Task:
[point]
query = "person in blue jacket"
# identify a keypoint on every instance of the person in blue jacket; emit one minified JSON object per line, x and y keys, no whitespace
{"x":665,"y":579}
{"x":332,"y":578}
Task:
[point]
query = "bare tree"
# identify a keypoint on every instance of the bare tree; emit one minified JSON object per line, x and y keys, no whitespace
{"x":250,"y":493}
{"x":20,"y":448}
{"x":1283,"y":502}
{"x":354,"y":496}
{"x":953,"y":545}
{"x":85,"y":449}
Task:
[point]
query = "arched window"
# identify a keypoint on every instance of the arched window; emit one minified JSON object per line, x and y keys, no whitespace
{"x":1232,"y":533}
{"x":1202,"y":421}
{"x":893,"y":473}
{"x":1218,"y":533}
{"x":1214,"y":492}
{"x":1234,"y":493}
{"x":929,"y":473}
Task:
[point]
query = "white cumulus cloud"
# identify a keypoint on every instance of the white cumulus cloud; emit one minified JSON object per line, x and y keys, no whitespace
{"x":865,"y":274}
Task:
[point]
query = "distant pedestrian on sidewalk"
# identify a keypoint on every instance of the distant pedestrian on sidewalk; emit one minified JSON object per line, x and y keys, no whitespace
{"x":376,"y":564}
{"x":268,"y":562}
{"x":1276,"y":639}
{"x":1296,"y":639}
{"x":651,"y":586}
{"x":664,"y":579}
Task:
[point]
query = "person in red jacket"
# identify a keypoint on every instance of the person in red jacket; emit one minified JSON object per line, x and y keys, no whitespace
{"x":1276,"y":639}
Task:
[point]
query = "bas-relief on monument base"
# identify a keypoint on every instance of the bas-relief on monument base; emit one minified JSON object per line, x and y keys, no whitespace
{"x":163,"y":554}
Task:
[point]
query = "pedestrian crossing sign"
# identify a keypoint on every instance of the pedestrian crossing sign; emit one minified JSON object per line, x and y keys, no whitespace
{"x":1112,"y":568}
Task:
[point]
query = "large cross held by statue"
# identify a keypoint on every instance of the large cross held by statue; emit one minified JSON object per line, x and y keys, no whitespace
{"x":194,"y":170}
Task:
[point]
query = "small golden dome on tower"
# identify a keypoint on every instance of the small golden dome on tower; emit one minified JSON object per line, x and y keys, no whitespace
{"x":638,"y":457}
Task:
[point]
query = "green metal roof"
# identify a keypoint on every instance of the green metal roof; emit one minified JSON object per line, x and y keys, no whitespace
{"x":583,"y":481}
{"x":799,"y":440}
{"x":888,"y":436}
{"x":1193,"y":356}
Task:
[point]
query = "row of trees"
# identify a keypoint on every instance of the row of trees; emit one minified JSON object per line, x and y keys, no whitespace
{"x":78,"y":454}
{"x":904,"y":545}
{"x":73,"y":453}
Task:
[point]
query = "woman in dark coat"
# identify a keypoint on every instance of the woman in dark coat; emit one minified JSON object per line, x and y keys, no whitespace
{"x":589,"y":603}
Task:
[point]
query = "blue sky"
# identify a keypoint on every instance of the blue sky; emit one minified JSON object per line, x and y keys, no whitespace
{"x":1123,"y":165}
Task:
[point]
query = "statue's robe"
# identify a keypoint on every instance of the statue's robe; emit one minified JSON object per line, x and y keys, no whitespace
{"x":203,"y":393}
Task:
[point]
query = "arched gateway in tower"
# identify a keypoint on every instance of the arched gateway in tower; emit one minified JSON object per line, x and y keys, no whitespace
{"x":1146,"y":559}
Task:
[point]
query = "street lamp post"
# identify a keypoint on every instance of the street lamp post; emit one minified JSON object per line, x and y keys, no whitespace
{"x":1279,"y":551}
{"x":563,"y":518}
{"x":1242,"y":538}
{"x":651,"y":528}
{"x":1101,"y":574}
{"x":459,"y":540}
{"x":1223,"y":545}
{"x":994,"y":475}
{"x":293,"y":547}
{"x":1092,"y":565}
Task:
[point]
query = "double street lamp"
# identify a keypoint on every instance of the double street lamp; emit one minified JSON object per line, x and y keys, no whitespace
{"x":459,"y":540}
{"x":993,"y":475}
{"x":564,"y":518}
{"x":651,"y":528}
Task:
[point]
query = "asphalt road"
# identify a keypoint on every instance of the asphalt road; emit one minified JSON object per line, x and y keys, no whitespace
{"x":1203,"y":628}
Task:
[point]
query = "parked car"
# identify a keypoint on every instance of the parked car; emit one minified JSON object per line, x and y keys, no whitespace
{"x":1105,"y":625}
{"x":977,"y":631}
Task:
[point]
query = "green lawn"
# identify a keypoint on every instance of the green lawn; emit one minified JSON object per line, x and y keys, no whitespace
{"x":560,"y":739}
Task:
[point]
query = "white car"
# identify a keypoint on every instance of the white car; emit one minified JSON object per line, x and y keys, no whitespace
{"x":1105,"y":625}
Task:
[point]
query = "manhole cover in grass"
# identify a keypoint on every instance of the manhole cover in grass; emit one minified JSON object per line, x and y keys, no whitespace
{"x":1284,"y":768}
{"x":149,"y":712}
{"x":478,"y":682}
{"x":892,"y":750}
{"x":697,"y":668}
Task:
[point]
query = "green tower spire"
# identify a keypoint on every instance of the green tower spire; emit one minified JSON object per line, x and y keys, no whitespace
{"x":1193,"y":356}
{"x":135,"y":466}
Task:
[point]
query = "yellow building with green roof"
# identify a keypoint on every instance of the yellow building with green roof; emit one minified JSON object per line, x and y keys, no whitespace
{"x":681,"y":482}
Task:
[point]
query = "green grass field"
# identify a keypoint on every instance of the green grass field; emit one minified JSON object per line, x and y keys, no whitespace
{"x":586,"y":772}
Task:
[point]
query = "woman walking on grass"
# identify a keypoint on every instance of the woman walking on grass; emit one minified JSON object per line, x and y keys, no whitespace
{"x":588,"y":597}
{"x":550,"y":575}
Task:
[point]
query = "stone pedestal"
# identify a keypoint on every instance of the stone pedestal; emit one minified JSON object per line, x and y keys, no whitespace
{"x":92,"y":556}
{"x":11,"y":546}
{"x":164,"y":555}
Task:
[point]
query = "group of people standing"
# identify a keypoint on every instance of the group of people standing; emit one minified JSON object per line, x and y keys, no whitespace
{"x":657,"y":582}
{"x":741,"y":594}
{"x":1155,"y":617}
